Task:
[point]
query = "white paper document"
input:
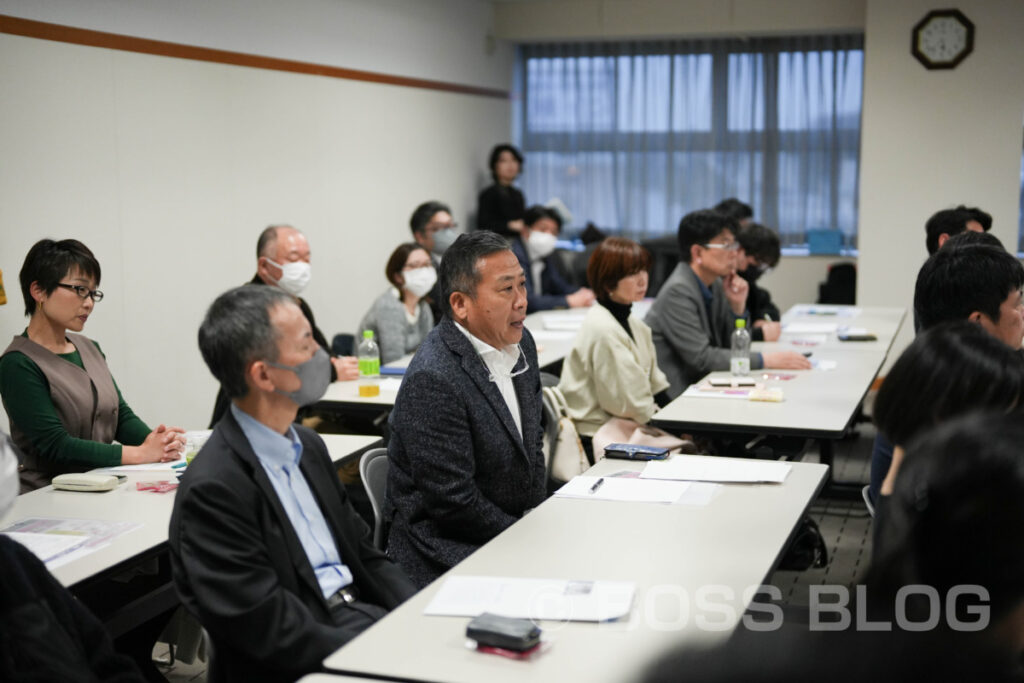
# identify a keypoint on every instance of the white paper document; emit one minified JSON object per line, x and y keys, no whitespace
{"x":169,"y":466}
{"x":703,"y":390}
{"x":88,"y":534}
{"x":711,"y":468}
{"x":823,"y":364}
{"x":553,"y":335}
{"x":824,"y":310}
{"x":47,"y":547}
{"x":553,"y":599}
{"x":628,"y":490}
{"x":810,"y":328}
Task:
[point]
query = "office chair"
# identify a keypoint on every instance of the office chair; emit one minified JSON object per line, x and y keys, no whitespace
{"x":373,"y":470}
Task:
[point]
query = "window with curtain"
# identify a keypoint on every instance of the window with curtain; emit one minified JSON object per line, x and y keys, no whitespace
{"x":1020,"y":214}
{"x":633,"y":135}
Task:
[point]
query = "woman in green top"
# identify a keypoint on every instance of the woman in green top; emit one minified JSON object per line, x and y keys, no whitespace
{"x":65,"y":409}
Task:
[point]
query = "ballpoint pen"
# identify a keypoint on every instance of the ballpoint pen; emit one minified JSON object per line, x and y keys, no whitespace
{"x":597,"y":485}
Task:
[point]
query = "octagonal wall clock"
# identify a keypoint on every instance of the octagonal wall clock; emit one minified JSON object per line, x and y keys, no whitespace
{"x":942,"y":39}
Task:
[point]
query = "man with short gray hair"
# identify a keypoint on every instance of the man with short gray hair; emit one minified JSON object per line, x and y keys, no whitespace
{"x":267,"y":552}
{"x":465,"y":452}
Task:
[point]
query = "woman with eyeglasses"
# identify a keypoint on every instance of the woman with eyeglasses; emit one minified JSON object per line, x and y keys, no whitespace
{"x":400,"y":317}
{"x":64,"y":406}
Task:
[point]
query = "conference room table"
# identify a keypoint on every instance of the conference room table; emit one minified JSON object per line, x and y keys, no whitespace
{"x":816,"y":404}
{"x":138,"y":546}
{"x":677,"y":555}
{"x":829,"y":320}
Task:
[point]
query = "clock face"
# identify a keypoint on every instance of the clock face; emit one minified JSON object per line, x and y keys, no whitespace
{"x":942,"y":39}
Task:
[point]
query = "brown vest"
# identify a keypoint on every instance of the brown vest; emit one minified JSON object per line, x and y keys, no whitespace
{"x":85,"y":400}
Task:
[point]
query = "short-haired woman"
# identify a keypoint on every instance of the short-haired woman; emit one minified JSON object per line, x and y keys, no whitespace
{"x":500,"y":207}
{"x":612,"y":371}
{"x":400,"y":317}
{"x":64,"y":406}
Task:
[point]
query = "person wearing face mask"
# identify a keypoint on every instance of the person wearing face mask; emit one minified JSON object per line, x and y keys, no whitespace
{"x":760,"y":253}
{"x":434,"y":229}
{"x":283,"y":261}
{"x":266,"y":550}
{"x":45,"y":632}
{"x":400,"y":317}
{"x":534,"y":247}
{"x":66,"y":411}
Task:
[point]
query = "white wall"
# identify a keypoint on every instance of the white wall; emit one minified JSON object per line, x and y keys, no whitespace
{"x":934,"y":139}
{"x":168,"y":169}
{"x":533,"y":20}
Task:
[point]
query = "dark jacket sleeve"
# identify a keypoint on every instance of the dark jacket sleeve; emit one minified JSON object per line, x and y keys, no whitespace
{"x":236,"y":590}
{"x":442,"y":461}
{"x":52,"y":633}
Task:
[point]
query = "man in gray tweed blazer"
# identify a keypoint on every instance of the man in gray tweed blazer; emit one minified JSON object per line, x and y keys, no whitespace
{"x":465,"y":451}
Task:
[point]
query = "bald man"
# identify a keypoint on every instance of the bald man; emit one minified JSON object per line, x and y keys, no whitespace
{"x":283,"y":261}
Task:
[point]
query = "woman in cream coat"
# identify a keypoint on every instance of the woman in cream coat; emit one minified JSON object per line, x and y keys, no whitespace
{"x":612,"y":370}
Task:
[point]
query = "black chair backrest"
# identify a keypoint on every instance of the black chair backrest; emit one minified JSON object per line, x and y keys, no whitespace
{"x":343,"y":345}
{"x":840,"y":286}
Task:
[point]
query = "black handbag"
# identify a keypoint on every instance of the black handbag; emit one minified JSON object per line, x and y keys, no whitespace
{"x":807,"y":550}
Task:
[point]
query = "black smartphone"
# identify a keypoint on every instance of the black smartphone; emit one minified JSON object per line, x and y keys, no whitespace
{"x":628,"y":451}
{"x":492,"y":630}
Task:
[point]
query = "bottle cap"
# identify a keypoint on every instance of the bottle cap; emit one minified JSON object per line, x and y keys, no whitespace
{"x":740,"y":324}
{"x":368,"y":334}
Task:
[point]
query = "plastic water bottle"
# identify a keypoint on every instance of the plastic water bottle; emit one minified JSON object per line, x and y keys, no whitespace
{"x":369,"y":366}
{"x":739,"y":363}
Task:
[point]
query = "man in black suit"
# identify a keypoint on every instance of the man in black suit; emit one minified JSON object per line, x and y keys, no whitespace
{"x":465,"y":449}
{"x":267,"y":552}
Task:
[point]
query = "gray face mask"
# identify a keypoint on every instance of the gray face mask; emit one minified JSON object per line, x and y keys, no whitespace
{"x":315,"y":375}
{"x":444,"y":239}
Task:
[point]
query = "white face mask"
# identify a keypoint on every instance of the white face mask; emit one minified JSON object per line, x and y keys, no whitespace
{"x":540,"y":244}
{"x":419,"y":280}
{"x":294,"y":276}
{"x":8,"y":474}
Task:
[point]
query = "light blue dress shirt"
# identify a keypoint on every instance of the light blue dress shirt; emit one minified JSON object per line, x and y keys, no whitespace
{"x":280,"y":457}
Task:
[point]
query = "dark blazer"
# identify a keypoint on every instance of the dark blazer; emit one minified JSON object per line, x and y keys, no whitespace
{"x":459,"y":472}
{"x":552,"y":284}
{"x":240,"y":568}
{"x":48,"y":635}
{"x":689,"y":343}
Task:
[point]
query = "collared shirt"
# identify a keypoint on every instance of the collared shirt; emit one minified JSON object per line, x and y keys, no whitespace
{"x":280,"y":456}
{"x":499,"y":363}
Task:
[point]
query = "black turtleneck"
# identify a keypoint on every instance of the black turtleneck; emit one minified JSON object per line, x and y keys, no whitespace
{"x":620,"y":312}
